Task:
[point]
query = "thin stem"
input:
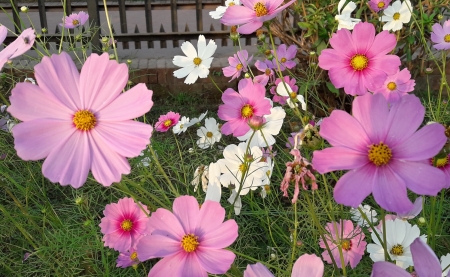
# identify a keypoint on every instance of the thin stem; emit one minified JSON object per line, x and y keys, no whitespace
{"x":383,"y":220}
{"x":212,"y":80}
{"x":110,"y":30}
{"x":158,"y":165}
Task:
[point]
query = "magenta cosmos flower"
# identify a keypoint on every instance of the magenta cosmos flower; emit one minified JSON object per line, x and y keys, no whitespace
{"x":358,"y":60}
{"x":350,"y":239}
{"x":265,"y":67}
{"x":252,"y":14}
{"x":383,"y":150}
{"x":128,"y":258}
{"x":305,"y":266}
{"x":441,"y":35}
{"x":238,"y":108}
{"x":379,"y":5}
{"x":238,"y":64}
{"x":190,"y":240}
{"x":74,"y":20}
{"x":124,"y":224}
{"x":80,"y":121}
{"x":20,"y":45}
{"x":443,"y":163}
{"x":166,"y":121}
{"x":396,"y":86}
{"x":285,"y":57}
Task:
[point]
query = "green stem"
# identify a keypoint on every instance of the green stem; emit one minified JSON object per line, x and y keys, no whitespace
{"x":212,"y":80}
{"x":111,"y":35}
{"x":383,"y":220}
{"x":158,"y":165}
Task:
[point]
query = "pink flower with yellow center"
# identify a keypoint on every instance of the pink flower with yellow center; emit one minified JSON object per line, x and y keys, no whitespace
{"x":238,"y":64}
{"x":252,"y":14}
{"x":128,"y":258}
{"x":190,"y":239}
{"x":74,"y":20}
{"x":166,"y":121}
{"x":80,"y":121}
{"x":441,"y":35}
{"x":396,"y":86}
{"x":239,"y":108}
{"x":265,"y":67}
{"x":443,"y":163}
{"x":358,"y":60}
{"x":124,"y":224}
{"x":383,"y":150}
{"x":379,"y":5}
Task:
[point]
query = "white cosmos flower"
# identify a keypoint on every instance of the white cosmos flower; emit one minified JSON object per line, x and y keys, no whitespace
{"x":399,"y":236}
{"x":209,"y":134}
{"x":343,"y":16}
{"x":181,"y":126}
{"x":397,"y":15}
{"x":220,"y":10}
{"x":196,"y":120}
{"x":200,"y":173}
{"x":145,"y":161}
{"x":293,"y":96}
{"x":195,"y":64}
{"x":214,"y":189}
{"x":359,"y":219}
{"x":445,"y":262}
{"x":264,"y":136}
{"x":236,"y":199}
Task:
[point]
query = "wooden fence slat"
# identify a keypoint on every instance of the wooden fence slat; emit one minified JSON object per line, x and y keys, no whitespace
{"x":199,"y":15}
{"x":148,"y":20}
{"x":163,"y":43}
{"x":16,"y":18}
{"x":174,"y":17}
{"x":42,"y":14}
{"x":94,"y":22}
{"x":68,"y":7}
{"x":123,"y":21}
{"x":137,"y":43}
{"x":57,"y":32}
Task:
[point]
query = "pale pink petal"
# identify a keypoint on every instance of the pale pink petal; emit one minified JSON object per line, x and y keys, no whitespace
{"x":383,"y":43}
{"x":108,"y":226}
{"x":336,"y":76}
{"x":426,"y":263}
{"x":110,"y":79}
{"x":211,"y":216}
{"x":69,"y":162}
{"x":342,"y":42}
{"x":308,"y":265}
{"x":338,"y":158}
{"x":355,"y":84}
{"x":186,"y":209}
{"x":415,"y":211}
{"x":215,"y":261}
{"x":157,"y":246}
{"x":372,"y":112}
{"x":65,"y":89}
{"x":120,"y":241}
{"x":221,"y":237}
{"x":171,"y":266}
{"x":363,"y":37}
{"x":21,"y":44}
{"x":34,"y":140}
{"x":386,"y":269}
{"x":257,"y":270}
{"x":166,"y":223}
{"x":355,"y":186}
{"x":330,"y":58}
{"x":131,"y":104}
{"x":237,"y":15}
{"x":249,"y":27}
{"x":388,"y":64}
{"x":193,"y":267}
{"x":3,"y":33}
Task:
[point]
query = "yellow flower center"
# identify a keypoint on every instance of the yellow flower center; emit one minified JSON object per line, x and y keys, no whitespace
{"x":396,"y":16}
{"x":283,"y":60}
{"x":346,"y":244}
{"x":239,"y":66}
{"x":247,"y":111}
{"x":209,"y":135}
{"x":126,"y":225}
{"x":441,"y":162}
{"x":381,"y":5}
{"x":197,"y":61}
{"x":260,"y":9}
{"x":447,"y":38}
{"x":133,"y":256}
{"x":267,"y":71}
{"x":189,"y":243}
{"x":231,"y":4}
{"x":243,"y":168}
{"x":380,"y":154}
{"x":293,"y":95}
{"x":267,"y":188}
{"x":84,"y":120}
{"x":391,"y":86}
{"x":168,"y":122}
{"x":75,"y":22}
{"x":397,"y":250}
{"x":359,"y":62}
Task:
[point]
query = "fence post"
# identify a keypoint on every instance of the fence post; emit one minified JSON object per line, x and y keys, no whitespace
{"x":16,"y":18}
{"x":94,"y":23}
{"x":42,"y":14}
{"x":148,"y":20}
{"x":123,"y":21}
{"x":174,"y":16}
{"x":199,"y":14}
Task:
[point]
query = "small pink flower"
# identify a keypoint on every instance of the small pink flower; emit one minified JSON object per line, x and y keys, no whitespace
{"x":444,"y":165}
{"x":305,"y":266}
{"x":238,"y":64}
{"x":379,"y":5}
{"x":350,"y":239}
{"x":358,"y":60}
{"x":238,"y":108}
{"x":252,"y":14}
{"x":265,"y":67}
{"x":124,"y":224}
{"x":190,"y":240}
{"x":285,"y":57}
{"x":441,"y":35}
{"x":74,"y":20}
{"x":282,"y":100}
{"x":298,"y":171}
{"x":396,"y":86}
{"x":166,"y":121}
{"x":127,"y":258}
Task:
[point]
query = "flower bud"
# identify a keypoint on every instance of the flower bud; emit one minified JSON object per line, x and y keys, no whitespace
{"x":421,"y":221}
{"x":428,"y":70}
{"x":260,"y":35}
{"x":440,"y":17}
{"x":129,"y":61}
{"x":24,"y":9}
{"x":256,"y":122}
{"x":79,"y":200}
{"x":44,"y":30}
{"x":130,"y":83}
{"x":112,"y":56}
{"x":105,"y":39}
{"x":246,"y":75}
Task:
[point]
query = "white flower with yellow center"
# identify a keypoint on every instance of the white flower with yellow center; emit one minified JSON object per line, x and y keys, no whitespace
{"x":209,"y":134}
{"x":397,"y":15}
{"x":358,"y":217}
{"x":195,"y":64}
{"x":181,"y":126}
{"x":399,"y":236}
{"x":343,"y":16}
{"x":200,"y":173}
{"x":220,"y":10}
{"x":284,"y":89}
{"x":196,"y":120}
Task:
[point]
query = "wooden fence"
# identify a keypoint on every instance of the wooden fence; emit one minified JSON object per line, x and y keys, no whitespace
{"x":93,"y":7}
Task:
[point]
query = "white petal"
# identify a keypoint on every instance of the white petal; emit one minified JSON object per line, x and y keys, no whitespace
{"x":201,"y":46}
{"x":183,"y":61}
{"x":189,"y":50}
{"x":209,"y":51}
{"x":192,"y":77}
{"x":183,"y":72}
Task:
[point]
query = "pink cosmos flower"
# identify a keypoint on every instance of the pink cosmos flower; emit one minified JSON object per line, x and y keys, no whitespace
{"x":379,"y":5}
{"x":383,"y":151}
{"x":74,"y":20}
{"x":166,"y":121}
{"x":358,"y":60}
{"x":80,"y":122}
{"x":124,"y":224}
{"x":350,"y":239}
{"x":20,"y":45}
{"x":252,"y":14}
{"x":282,"y":100}
{"x":441,"y":35}
{"x":128,"y":258}
{"x":396,"y":86}
{"x":238,"y":108}
{"x":265,"y":67}
{"x":305,"y":266}
{"x":238,"y":64}
{"x":298,"y":171}
{"x":190,"y":240}
{"x":285,"y":57}
{"x":444,"y":165}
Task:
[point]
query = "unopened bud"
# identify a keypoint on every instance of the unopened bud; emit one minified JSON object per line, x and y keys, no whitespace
{"x":44,"y":30}
{"x":78,"y":37}
{"x":105,"y":39}
{"x":79,"y":200}
{"x":256,"y":122}
{"x":421,"y":221}
{"x":246,"y":75}
{"x":38,"y":36}
{"x":260,"y":34}
{"x":130,"y":83}
{"x":312,"y":53}
{"x":273,"y":256}
{"x":440,"y":17}
{"x":129,"y":61}
{"x":24,"y":9}
{"x":112,"y":56}
{"x":428,"y":70}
